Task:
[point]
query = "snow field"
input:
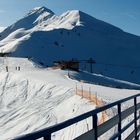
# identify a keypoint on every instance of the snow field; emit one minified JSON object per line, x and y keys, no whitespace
{"x":35,"y":98}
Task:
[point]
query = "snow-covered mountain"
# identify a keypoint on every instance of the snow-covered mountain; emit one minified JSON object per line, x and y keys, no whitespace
{"x":47,"y":37}
{"x":34,"y":97}
{"x":2,"y":29}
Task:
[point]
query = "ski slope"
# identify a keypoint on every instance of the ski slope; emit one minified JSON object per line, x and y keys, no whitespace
{"x":28,"y":105}
{"x":35,"y":98}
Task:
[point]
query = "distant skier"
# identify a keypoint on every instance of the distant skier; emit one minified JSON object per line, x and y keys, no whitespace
{"x":18,"y":68}
{"x":6,"y":68}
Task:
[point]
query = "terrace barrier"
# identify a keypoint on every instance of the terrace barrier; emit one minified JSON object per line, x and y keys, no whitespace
{"x":98,"y":130}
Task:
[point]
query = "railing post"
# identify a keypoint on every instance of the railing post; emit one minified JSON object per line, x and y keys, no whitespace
{"x":95,"y":125}
{"x":120,"y":119}
{"x":48,"y":137}
{"x":135,"y":117}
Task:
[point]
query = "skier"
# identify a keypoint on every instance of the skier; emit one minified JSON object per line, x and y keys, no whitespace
{"x":6,"y":68}
{"x":18,"y":68}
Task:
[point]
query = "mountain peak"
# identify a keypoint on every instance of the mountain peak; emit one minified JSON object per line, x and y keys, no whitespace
{"x":40,"y":10}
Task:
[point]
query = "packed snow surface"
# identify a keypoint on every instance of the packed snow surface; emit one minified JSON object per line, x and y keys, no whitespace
{"x":35,"y":98}
{"x":28,"y":104}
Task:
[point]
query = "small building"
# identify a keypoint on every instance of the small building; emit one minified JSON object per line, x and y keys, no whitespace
{"x":71,"y":64}
{"x":4,"y":54}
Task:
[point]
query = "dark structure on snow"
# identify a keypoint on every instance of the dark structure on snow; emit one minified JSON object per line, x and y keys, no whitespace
{"x":4,"y":54}
{"x":71,"y":64}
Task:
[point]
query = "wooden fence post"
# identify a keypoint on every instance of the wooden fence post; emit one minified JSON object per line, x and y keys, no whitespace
{"x":96,"y":98}
{"x":89,"y":92}
{"x":76,"y":89}
{"x":82,"y":90}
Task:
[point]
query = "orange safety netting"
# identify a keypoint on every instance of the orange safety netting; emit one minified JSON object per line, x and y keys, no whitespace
{"x":93,"y":99}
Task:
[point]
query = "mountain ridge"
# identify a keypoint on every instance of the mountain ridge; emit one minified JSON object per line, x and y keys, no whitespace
{"x":73,"y":34}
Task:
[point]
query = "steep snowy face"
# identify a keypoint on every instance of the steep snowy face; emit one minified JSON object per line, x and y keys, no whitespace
{"x":76,"y":17}
{"x":70,"y":19}
{"x":31,"y":19}
{"x":42,"y":14}
{"x":99,"y":26}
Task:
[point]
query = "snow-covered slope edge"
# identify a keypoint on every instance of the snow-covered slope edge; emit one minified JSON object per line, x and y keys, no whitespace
{"x":2,"y":29}
{"x":27,"y":106}
{"x":99,"y":79}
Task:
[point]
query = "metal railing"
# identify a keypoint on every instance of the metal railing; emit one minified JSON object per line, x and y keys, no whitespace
{"x":97,"y":131}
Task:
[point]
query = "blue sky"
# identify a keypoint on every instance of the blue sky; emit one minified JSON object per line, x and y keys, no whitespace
{"x":121,"y":13}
